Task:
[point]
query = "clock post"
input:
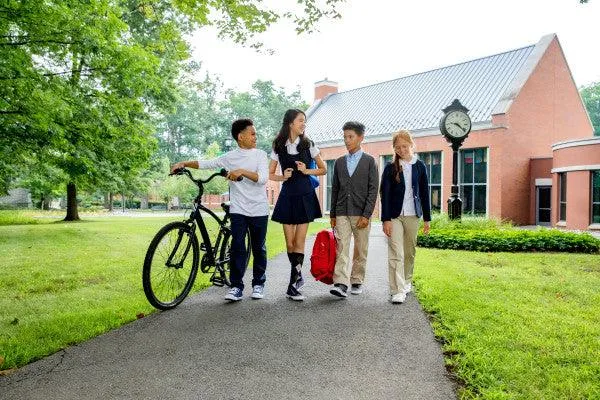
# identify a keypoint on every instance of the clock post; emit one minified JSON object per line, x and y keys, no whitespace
{"x":455,"y":125}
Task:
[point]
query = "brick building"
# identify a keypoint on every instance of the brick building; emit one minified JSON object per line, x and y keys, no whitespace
{"x":531,"y":156}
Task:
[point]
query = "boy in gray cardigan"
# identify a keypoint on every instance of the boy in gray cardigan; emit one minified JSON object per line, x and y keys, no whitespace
{"x":353,"y":195}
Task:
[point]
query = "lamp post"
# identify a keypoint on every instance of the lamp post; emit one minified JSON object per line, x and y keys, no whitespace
{"x":455,"y":125}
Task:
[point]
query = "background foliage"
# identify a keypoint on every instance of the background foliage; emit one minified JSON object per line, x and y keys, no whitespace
{"x":591,"y":98}
{"x":94,"y":94}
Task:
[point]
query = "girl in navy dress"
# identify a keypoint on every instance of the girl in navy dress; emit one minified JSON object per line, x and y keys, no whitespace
{"x":297,"y":204}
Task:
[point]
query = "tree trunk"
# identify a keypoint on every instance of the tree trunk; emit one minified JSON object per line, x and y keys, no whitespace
{"x":144,"y":203}
{"x":123,"y":202}
{"x":110,"y":201}
{"x":46,"y":199}
{"x":72,"y":213}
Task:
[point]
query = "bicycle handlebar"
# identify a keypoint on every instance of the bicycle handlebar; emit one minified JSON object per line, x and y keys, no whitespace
{"x":184,"y":171}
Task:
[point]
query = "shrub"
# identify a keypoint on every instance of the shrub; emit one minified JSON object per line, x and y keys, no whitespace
{"x":478,"y":234}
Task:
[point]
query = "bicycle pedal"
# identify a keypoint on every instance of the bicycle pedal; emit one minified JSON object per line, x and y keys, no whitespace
{"x":217,"y":281}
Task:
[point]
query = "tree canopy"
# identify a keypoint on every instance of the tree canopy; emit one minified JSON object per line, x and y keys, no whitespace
{"x":82,"y":83}
{"x":591,"y":98}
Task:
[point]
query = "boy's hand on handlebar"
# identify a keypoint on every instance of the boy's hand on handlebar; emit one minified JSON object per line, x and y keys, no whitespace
{"x":177,"y":166}
{"x":235,"y":175}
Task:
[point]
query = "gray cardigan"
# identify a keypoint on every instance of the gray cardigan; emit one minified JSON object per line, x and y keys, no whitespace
{"x":354,"y":195}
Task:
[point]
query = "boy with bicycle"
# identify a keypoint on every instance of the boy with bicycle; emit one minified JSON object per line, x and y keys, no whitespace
{"x":249,"y":206}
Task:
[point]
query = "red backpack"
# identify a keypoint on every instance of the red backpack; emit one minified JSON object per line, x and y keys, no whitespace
{"x":322,"y":260}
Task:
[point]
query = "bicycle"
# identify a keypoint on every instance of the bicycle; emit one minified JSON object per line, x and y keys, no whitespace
{"x":170,"y":270}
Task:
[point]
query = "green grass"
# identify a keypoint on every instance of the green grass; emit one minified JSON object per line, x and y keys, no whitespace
{"x":515,"y":326}
{"x":63,"y":283}
{"x":9,"y":217}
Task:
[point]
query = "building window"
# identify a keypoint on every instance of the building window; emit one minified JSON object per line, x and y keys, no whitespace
{"x":595,"y":197}
{"x":562,"y":196}
{"x":473,"y":180}
{"x":433,"y":162}
{"x":330,"y":164}
{"x":385,"y":159}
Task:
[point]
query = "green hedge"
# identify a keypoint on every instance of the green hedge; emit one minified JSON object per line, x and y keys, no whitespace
{"x":510,"y":240}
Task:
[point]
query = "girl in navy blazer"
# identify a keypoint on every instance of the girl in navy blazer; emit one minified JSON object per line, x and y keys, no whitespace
{"x":404,"y":199}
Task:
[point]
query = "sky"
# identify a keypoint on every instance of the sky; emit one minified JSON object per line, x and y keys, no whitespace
{"x":381,"y":40}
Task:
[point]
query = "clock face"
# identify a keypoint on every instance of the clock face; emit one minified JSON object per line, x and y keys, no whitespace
{"x":457,"y":124}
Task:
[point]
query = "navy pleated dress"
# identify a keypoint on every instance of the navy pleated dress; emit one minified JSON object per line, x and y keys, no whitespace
{"x":297,"y":202}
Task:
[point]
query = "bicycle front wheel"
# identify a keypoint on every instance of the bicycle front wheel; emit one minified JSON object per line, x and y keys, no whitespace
{"x":171,"y":265}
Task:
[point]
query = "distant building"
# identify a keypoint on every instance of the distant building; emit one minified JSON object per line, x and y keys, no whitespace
{"x":531,"y":156}
{"x":17,"y":198}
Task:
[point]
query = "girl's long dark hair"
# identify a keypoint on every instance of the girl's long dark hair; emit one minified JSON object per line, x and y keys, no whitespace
{"x":284,"y":133}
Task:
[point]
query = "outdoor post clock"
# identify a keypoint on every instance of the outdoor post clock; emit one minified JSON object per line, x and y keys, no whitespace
{"x":455,"y":125}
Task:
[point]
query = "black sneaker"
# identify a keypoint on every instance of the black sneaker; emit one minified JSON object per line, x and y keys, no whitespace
{"x":293,"y":294}
{"x":339,"y":290}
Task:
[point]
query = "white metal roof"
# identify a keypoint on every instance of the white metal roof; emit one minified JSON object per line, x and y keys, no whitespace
{"x":485,"y":86}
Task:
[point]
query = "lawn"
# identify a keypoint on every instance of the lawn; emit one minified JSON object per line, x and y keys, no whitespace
{"x":63,"y":283}
{"x":515,"y":326}
{"x":512,"y":325}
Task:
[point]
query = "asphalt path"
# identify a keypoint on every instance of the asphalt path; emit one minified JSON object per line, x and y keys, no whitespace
{"x":362,"y":347}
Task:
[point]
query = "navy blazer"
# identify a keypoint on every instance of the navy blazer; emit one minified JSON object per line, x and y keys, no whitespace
{"x":392,"y":192}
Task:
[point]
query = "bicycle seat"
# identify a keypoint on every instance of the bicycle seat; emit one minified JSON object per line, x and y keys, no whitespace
{"x":226,"y":205}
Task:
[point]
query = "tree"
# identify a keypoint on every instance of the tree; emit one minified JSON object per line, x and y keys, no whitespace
{"x":591,"y":98}
{"x":81,"y":80}
{"x":265,"y":104}
{"x":197,"y":120}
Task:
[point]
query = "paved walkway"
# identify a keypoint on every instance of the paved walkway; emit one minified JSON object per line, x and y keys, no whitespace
{"x":360,"y":348}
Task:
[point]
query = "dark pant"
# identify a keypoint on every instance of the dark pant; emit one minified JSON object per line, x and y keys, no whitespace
{"x":258,"y":236}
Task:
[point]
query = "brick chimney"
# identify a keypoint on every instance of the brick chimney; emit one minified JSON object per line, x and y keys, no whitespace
{"x":325,"y":87}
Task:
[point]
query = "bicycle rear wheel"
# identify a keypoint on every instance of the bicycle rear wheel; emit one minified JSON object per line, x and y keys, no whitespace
{"x":171,"y":265}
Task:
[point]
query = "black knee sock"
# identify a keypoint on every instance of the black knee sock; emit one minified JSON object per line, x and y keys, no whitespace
{"x":300,"y":259}
{"x":297,"y":267}
{"x":293,"y":262}
{"x":299,"y":262}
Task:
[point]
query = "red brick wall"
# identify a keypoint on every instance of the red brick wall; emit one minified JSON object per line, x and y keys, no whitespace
{"x":547,"y":110}
{"x":582,"y":158}
{"x":539,"y":168}
{"x":323,"y":90}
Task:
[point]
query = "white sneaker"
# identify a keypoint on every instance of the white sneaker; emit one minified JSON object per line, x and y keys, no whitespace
{"x":258,"y":292}
{"x":408,"y":288}
{"x":234,"y":294}
{"x":398,"y":298}
{"x":356,"y":288}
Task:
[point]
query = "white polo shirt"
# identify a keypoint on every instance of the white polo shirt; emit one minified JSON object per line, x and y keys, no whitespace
{"x":247,"y":197}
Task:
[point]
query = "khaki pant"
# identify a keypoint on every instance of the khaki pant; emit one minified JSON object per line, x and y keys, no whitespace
{"x":401,"y":252}
{"x":345,"y":228}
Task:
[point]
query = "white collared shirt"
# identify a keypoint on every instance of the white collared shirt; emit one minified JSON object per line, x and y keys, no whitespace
{"x":408,"y":203}
{"x":247,"y":197}
{"x":292,"y":150}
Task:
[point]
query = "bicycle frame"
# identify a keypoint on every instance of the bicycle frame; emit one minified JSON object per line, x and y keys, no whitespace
{"x":206,"y":244}
{"x":195,"y":219}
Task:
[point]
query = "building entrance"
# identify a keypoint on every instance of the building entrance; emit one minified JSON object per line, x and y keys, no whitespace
{"x":542,"y":205}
